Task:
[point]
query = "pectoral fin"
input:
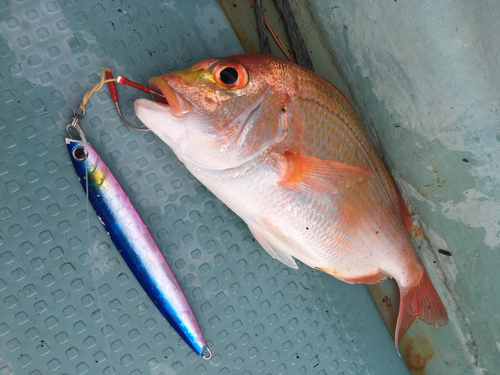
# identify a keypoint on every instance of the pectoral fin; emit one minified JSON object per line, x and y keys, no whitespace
{"x":307,"y":174}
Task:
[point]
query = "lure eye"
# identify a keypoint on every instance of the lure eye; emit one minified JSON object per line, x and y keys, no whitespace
{"x":230,"y":75}
{"x":79,"y":153}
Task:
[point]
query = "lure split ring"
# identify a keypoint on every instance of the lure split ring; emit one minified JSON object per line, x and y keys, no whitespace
{"x":209,"y":354}
{"x":75,"y":123}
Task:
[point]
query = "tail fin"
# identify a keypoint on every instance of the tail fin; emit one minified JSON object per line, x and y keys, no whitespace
{"x":423,"y":301}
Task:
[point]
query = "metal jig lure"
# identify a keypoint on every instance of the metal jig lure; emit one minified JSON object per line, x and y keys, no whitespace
{"x":130,"y":235}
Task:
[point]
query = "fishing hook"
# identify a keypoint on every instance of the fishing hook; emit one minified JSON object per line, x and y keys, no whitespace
{"x":114,"y":96}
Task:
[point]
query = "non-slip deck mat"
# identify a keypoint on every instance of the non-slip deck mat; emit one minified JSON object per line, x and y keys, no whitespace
{"x":68,"y":303}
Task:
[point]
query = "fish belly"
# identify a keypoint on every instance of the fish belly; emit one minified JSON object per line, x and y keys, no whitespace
{"x":349,"y":239}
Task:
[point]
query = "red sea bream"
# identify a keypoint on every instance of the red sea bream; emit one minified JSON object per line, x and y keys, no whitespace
{"x":284,"y":149}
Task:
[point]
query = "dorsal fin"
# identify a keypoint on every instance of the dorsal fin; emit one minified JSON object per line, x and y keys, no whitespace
{"x":405,"y":214}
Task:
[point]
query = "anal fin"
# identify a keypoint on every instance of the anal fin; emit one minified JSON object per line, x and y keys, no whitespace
{"x":367,"y":279}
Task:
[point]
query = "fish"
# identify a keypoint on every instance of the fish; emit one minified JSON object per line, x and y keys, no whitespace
{"x":134,"y":242}
{"x":285,"y":150}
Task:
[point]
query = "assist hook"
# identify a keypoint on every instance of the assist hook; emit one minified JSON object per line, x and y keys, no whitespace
{"x":114,"y":96}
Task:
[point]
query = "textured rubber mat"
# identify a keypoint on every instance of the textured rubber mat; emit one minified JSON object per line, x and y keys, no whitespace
{"x":68,"y":303}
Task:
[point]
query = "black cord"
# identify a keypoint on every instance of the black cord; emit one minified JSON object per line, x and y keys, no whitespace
{"x":261,"y":28}
{"x":296,"y":38}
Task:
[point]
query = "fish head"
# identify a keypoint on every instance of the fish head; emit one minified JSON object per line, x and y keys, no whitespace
{"x":221,"y":112}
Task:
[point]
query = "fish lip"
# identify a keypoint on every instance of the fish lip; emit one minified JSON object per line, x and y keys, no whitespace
{"x":178,"y":105}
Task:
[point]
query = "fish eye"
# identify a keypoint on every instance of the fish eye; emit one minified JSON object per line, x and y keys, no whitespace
{"x":230,"y":75}
{"x":79,"y":153}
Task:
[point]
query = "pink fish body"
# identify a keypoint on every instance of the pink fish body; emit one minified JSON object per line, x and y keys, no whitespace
{"x":285,"y":150}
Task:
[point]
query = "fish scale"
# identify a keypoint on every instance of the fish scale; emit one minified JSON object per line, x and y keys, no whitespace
{"x":345,"y":150}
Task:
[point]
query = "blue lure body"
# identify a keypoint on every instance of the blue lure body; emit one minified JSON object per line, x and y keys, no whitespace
{"x":134,"y":242}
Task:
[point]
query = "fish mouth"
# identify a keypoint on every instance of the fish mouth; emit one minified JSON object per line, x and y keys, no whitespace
{"x":171,"y":99}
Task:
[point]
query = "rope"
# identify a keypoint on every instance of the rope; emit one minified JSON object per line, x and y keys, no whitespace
{"x":301,"y":55}
{"x":296,"y":38}
{"x":288,"y":54}
{"x":263,"y":41}
{"x":87,"y":95}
